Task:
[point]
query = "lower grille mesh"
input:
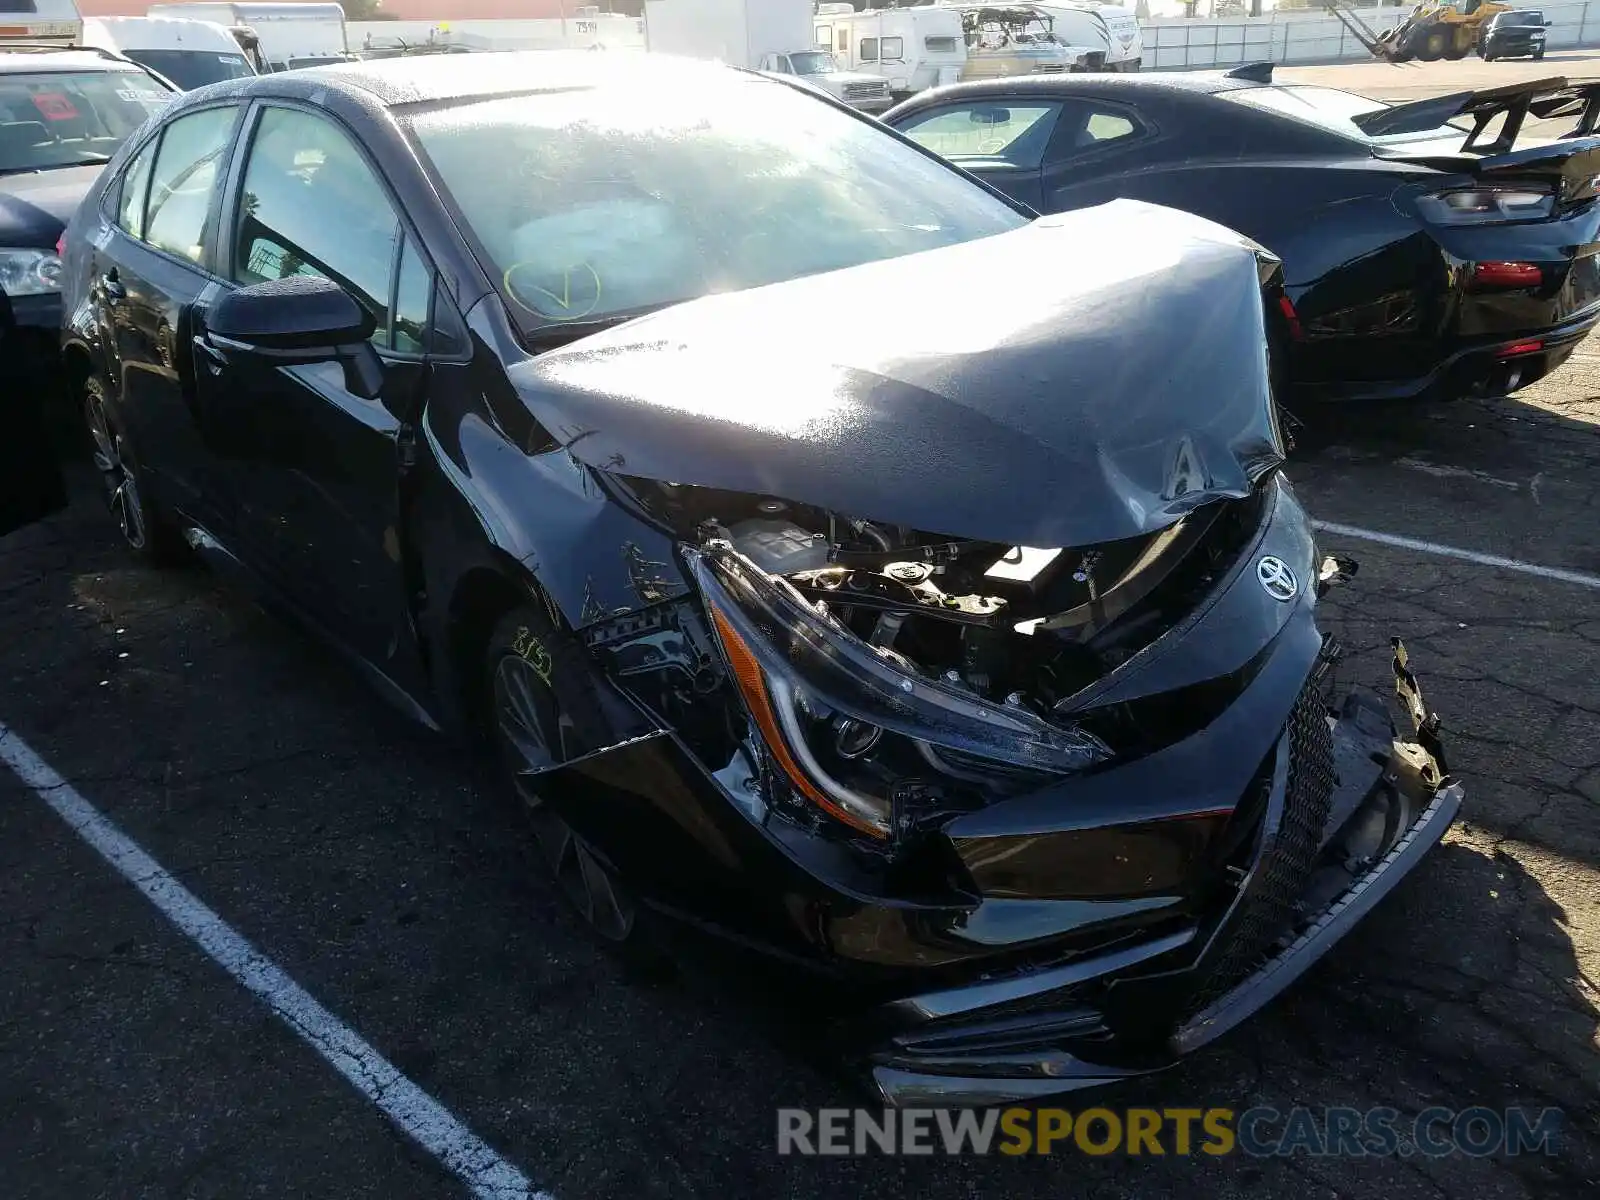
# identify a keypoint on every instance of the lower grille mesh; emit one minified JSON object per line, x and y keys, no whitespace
{"x":1267,"y":910}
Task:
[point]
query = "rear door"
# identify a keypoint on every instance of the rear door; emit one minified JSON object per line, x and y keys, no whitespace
{"x":150,"y":265}
{"x":316,"y":470}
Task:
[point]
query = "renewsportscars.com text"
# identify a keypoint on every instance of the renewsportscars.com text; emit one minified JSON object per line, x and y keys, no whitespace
{"x":1258,"y":1132}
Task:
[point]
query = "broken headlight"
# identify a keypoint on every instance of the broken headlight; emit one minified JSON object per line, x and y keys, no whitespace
{"x":848,"y":723}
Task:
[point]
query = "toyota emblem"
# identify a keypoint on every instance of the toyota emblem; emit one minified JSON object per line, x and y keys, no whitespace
{"x":1276,"y":579}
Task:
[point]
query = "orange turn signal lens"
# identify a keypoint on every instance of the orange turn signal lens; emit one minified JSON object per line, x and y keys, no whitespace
{"x":752,"y":684}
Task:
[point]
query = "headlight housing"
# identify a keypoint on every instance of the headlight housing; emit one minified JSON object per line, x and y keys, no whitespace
{"x":29,"y":272}
{"x":854,"y":728}
{"x":1487,"y":205}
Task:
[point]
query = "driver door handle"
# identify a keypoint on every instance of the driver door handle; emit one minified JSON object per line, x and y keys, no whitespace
{"x":212,"y":354}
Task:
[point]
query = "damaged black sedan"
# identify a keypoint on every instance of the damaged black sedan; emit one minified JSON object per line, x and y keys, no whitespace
{"x":838,"y":557}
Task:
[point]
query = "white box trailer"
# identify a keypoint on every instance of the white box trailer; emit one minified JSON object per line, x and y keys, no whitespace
{"x":737,"y":32}
{"x":54,"y":21}
{"x":291,"y":35}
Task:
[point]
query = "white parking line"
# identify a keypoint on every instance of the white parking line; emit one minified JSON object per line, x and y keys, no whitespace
{"x":417,"y":1114}
{"x":1472,"y":556}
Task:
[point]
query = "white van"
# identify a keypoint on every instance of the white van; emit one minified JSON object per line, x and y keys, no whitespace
{"x":189,"y":53}
{"x":40,"y":21}
{"x":1111,"y":28}
{"x":913,"y":48}
{"x":290,"y":35}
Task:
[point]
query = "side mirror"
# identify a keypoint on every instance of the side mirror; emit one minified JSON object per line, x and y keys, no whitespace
{"x":293,"y":321}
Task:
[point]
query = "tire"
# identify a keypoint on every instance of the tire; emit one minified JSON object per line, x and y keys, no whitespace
{"x":1432,"y":47}
{"x":1455,"y":51}
{"x":541,"y":709}
{"x":145,"y":530}
{"x":1538,"y":55}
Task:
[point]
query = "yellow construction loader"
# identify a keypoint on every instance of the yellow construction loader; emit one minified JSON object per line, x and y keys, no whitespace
{"x":1432,"y":30}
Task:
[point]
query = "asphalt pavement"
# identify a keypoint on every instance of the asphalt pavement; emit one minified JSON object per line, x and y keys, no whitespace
{"x":381,"y":871}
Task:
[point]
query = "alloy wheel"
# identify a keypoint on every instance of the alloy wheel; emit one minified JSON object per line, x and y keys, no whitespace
{"x":117,"y":474}
{"x":525,"y":715}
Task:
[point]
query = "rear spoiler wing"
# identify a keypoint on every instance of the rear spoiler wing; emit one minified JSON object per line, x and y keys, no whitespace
{"x":1514,"y":100}
{"x":1547,"y":99}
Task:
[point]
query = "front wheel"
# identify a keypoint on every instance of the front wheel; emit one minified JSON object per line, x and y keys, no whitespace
{"x":543,"y":712}
{"x":1432,"y":48}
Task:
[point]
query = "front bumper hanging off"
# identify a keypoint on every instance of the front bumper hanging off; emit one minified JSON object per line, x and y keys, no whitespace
{"x":1068,"y":1027}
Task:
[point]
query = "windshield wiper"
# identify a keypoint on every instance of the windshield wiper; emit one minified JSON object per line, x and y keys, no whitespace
{"x":96,"y":161}
{"x":562,"y":333}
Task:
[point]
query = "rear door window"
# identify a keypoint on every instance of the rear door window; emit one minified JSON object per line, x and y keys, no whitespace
{"x":184,"y":179}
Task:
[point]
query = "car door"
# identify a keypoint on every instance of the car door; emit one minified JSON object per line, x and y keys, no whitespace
{"x":1100,"y":150}
{"x":150,"y":264}
{"x":315,"y":469}
{"x":1002,"y":141}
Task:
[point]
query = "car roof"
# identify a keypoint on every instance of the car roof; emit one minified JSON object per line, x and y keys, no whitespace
{"x":1111,"y":83}
{"x":433,"y":78}
{"x":17,"y":61}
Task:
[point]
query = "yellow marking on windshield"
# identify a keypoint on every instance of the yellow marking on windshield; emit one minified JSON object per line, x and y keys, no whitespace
{"x":579,"y":294}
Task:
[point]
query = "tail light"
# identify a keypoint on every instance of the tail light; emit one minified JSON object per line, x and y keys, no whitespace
{"x":1487,"y":205}
{"x":1518,"y":349}
{"x":1507,"y":274}
{"x":61,"y":244}
{"x":1286,"y":307}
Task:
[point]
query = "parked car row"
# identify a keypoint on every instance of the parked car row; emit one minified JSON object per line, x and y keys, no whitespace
{"x":1423,"y":257}
{"x":837,"y":555}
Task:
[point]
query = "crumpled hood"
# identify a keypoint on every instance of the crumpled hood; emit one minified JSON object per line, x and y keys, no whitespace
{"x":35,"y":207}
{"x":1091,"y":376}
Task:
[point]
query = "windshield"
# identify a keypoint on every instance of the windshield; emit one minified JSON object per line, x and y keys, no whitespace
{"x":1333,"y":110}
{"x":67,"y":118}
{"x":1519,"y":18}
{"x":593,"y":203}
{"x":812,"y":62}
{"x":190,"y":69}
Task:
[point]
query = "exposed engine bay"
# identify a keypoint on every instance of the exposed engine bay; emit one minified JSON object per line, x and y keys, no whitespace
{"x":896,"y":675}
{"x":1018,"y":625}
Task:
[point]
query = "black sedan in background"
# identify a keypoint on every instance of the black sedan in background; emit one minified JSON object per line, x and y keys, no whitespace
{"x":63,"y":114}
{"x":965,"y":662}
{"x":1423,"y":255}
{"x":1517,"y":34}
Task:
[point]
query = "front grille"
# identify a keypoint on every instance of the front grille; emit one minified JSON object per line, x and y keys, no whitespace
{"x":864,"y":91}
{"x":1268,"y":909}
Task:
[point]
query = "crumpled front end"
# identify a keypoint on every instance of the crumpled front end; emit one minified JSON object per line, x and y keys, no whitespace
{"x":992,"y":689}
{"x":1064,"y":831}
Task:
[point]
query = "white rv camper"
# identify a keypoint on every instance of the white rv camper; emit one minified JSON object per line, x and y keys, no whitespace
{"x":912,"y":48}
{"x":1112,"y":29}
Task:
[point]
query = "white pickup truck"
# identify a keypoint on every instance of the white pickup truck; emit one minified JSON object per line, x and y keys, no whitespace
{"x":817,"y":68}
